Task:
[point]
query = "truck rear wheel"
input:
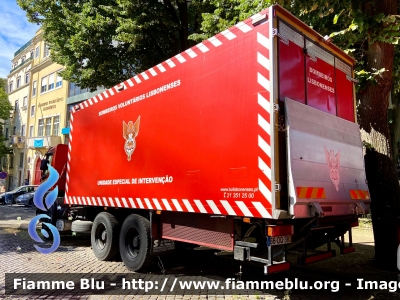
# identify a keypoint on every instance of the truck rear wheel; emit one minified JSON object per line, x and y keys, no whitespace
{"x":104,"y":236}
{"x":134,"y":242}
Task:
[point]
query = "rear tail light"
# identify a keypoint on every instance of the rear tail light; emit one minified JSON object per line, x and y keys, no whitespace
{"x":279,"y":230}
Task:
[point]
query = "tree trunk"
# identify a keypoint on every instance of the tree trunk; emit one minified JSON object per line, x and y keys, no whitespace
{"x":184,"y":31}
{"x":380,"y":169}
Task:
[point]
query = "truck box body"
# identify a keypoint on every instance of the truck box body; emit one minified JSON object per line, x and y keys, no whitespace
{"x":257,"y":121}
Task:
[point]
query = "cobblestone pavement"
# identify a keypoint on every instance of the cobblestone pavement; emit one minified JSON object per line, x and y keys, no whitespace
{"x":16,"y":216}
{"x":18,"y":255}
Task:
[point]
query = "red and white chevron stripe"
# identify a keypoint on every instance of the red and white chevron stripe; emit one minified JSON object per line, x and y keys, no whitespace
{"x":216,"y":207}
{"x":71,"y":129}
{"x":264,"y":117}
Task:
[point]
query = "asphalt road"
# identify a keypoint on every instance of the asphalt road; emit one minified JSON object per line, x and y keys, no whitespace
{"x":18,"y":255}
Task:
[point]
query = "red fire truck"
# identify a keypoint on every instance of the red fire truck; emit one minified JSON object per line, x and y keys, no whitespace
{"x":245,"y":143}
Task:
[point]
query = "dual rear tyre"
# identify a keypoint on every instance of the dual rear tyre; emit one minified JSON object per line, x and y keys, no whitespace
{"x":132,"y":239}
{"x":104,"y":236}
{"x":134,"y":243}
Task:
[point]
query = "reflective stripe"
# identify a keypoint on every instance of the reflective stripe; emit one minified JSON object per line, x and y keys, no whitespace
{"x":359,"y":195}
{"x":310,"y":192}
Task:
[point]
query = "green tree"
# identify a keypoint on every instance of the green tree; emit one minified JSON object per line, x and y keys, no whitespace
{"x":3,"y":83}
{"x":5,"y":108}
{"x":103,"y":42}
{"x":226,"y":14}
{"x":368,"y":30}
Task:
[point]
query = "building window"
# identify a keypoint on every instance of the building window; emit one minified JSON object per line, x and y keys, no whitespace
{"x":56,"y":125}
{"x":26,"y":77}
{"x":44,"y":85}
{"x":34,"y":89}
{"x":23,"y":60}
{"x":37,"y":52}
{"x":46,"y":50}
{"x":11,"y":162}
{"x":51,"y":81}
{"x":76,"y":90}
{"x":32,"y":111}
{"x":40,"y":127}
{"x":25,"y":101}
{"x":18,"y":81}
{"x":23,"y":130}
{"x":71,"y":89}
{"x":48,"y":127}
{"x":69,"y":110}
{"x":6,"y":133}
{"x":10,"y":87}
{"x":16,"y":105}
{"x":14,"y":132}
{"x":32,"y":54}
{"x":31,"y":131}
{"x":59,"y":81}
{"x":21,"y":160}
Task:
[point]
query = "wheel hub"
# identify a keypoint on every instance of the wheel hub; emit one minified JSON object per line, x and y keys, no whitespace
{"x":101,"y":236}
{"x":132,"y":242}
{"x":136,"y":241}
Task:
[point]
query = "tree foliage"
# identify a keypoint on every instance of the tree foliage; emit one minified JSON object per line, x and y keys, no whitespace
{"x":226,"y":14}
{"x":5,"y":108}
{"x":103,"y":42}
{"x":3,"y":83}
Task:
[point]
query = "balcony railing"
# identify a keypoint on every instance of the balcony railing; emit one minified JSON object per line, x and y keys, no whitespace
{"x":17,"y":140}
{"x":23,"y":48}
{"x":21,"y":64}
{"x":43,"y":141}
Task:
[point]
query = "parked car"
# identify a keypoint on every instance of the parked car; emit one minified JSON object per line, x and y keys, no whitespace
{"x":11,"y":196}
{"x":25,"y":199}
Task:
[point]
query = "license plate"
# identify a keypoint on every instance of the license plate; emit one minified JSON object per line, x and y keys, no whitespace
{"x":279,"y":240}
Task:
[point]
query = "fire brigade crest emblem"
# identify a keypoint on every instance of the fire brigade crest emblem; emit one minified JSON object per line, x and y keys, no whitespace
{"x":130,"y":132}
{"x":333,"y":162}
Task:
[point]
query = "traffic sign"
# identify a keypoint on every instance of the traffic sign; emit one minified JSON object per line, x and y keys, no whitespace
{"x":3,"y":175}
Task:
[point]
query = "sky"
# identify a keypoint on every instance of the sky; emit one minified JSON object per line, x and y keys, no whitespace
{"x":15,"y":31}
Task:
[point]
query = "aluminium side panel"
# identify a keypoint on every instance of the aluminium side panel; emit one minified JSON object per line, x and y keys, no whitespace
{"x":192,"y":134}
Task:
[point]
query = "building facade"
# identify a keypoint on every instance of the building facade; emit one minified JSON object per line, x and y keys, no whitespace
{"x":18,"y":87}
{"x":41,"y":102}
{"x":47,"y":107}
